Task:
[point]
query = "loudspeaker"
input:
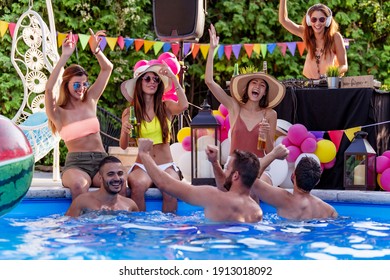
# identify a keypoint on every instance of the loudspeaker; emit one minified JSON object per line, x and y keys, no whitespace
{"x":176,"y":20}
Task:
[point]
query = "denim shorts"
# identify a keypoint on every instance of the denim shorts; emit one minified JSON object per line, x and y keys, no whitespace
{"x":85,"y":161}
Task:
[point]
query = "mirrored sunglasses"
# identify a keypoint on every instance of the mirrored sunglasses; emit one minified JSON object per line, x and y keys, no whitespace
{"x":321,"y":19}
{"x":78,"y":85}
{"x":155,"y":79}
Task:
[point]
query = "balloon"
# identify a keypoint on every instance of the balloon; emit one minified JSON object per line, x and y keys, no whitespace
{"x":218,"y":113}
{"x":326,"y":150}
{"x":386,"y":154}
{"x":226,"y":122}
{"x":297,"y":133}
{"x":318,"y":134}
{"x":279,"y":140}
{"x":378,"y":180}
{"x":204,"y":141}
{"x":225,"y":150}
{"x":382,"y":163}
{"x":185,"y":131}
{"x":219,"y":119}
{"x":223,"y":110}
{"x":286,"y":142}
{"x":140,"y":63}
{"x":186,"y":143}
{"x":385,"y":180}
{"x":306,"y":155}
{"x":278,"y":171}
{"x":185,"y":165}
{"x":293,"y":154}
{"x":177,"y":151}
{"x":311,"y":135}
{"x":309,"y":145}
{"x":223,"y":135}
{"x":329,"y":164}
{"x":173,"y":64}
{"x":287,"y":184}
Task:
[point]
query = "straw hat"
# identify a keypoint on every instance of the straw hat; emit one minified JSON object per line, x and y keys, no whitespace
{"x":276,"y":89}
{"x":130,"y":84}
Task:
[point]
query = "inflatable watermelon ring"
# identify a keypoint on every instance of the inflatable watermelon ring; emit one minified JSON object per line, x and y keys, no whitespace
{"x":16,"y":165}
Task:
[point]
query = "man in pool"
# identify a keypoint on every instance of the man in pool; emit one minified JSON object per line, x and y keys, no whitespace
{"x":112,"y":179}
{"x":233,"y":205}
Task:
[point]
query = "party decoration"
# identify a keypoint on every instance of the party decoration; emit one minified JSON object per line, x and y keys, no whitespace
{"x":278,"y":170}
{"x":176,"y":151}
{"x":313,"y":156}
{"x":385,"y":180}
{"x":183,"y":132}
{"x":224,"y":111}
{"x":382,"y":163}
{"x":186,"y":143}
{"x":309,"y":145}
{"x":294,"y":152}
{"x":326,"y":150}
{"x":297,"y":133}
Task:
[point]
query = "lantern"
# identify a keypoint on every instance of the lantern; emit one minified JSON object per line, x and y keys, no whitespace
{"x":359,"y":164}
{"x":205,"y":130}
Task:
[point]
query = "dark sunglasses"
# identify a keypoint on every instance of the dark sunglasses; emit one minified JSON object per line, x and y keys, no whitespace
{"x":155,"y":79}
{"x":78,"y":85}
{"x":321,"y":19}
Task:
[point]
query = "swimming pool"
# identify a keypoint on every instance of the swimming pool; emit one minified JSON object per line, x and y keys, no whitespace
{"x":37,"y":229}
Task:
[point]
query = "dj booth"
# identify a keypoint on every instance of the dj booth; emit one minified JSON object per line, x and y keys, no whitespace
{"x":323,"y":109}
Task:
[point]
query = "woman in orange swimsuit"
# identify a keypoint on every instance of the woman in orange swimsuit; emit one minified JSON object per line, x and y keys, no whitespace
{"x":154,"y":116}
{"x":324,"y":43}
{"x":73,"y":115}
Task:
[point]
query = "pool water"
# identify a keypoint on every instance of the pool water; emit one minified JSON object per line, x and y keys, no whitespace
{"x":38,"y":230}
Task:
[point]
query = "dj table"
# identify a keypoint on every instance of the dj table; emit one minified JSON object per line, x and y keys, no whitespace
{"x":322,"y":109}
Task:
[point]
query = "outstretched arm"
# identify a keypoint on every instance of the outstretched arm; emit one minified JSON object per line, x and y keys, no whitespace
{"x":286,"y":22}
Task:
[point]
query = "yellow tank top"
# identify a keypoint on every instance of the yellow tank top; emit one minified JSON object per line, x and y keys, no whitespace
{"x":153,"y":131}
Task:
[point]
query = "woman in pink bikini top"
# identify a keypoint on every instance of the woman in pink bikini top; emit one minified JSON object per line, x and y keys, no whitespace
{"x":73,"y":114}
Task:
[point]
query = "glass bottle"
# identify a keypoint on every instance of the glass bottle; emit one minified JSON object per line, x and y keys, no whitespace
{"x":134,"y":124}
{"x":236,"y":71}
{"x":265,"y":67}
{"x":262,"y":139}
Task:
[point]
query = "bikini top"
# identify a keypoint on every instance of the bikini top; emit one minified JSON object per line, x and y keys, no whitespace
{"x":80,"y":129}
{"x":153,"y":131}
{"x":310,"y":69}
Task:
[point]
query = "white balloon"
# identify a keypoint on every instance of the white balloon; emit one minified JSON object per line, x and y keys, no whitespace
{"x":287,"y":184}
{"x":177,"y":151}
{"x":203,"y":141}
{"x":278,"y":171}
{"x":184,"y":164}
{"x":306,"y":155}
{"x":279,"y":140}
{"x":225,"y":150}
{"x":205,"y":169}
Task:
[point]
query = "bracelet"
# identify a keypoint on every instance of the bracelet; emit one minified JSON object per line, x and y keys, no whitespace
{"x":95,"y":53}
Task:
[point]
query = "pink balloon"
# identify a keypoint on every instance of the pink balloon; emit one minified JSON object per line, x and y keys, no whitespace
{"x":166,"y":55}
{"x":386,"y":154}
{"x":329,"y":164}
{"x":220,"y":119}
{"x":224,"y":111}
{"x":385,"y":180}
{"x":309,"y":145}
{"x":154,"y":61}
{"x":140,"y":63}
{"x":287,"y":142}
{"x":173,"y":64}
{"x":311,"y":135}
{"x":382,"y":163}
{"x":226,"y":123}
{"x":224,"y":135}
{"x":293,"y":154}
{"x":297,"y":133}
{"x":186,"y":143}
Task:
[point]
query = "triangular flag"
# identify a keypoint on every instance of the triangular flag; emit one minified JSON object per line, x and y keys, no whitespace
{"x":318,"y":134}
{"x":228,"y":51}
{"x":204,"y":49}
{"x":167,"y":47}
{"x":216,"y":50}
{"x":186,"y":48}
{"x":83,"y":40}
{"x":121,"y":42}
{"x":336,"y":136}
{"x":350,"y":132}
{"x":111,"y":41}
{"x":256,"y":48}
{"x":346,"y":43}
{"x":263,"y":48}
{"x":195,"y":50}
{"x":292,"y":47}
{"x":148,"y":45}
{"x":128,"y":42}
{"x":236,"y":50}
{"x":138,"y":44}
{"x":282,"y":47}
{"x":11,"y":28}
{"x":175,"y":48}
{"x":103,"y":43}
{"x":3,"y":27}
{"x":157,"y":47}
{"x":221,"y":50}
{"x":301,"y":47}
{"x":271,"y":47}
{"x":61,"y":38}
{"x":248,"y":49}
{"x":75,"y":38}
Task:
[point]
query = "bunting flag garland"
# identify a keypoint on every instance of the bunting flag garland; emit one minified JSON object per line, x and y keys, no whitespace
{"x":336,"y":136}
{"x":124,"y":43}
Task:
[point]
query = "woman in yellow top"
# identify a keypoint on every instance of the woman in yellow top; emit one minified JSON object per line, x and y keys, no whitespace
{"x":324,"y":44}
{"x":73,"y":115}
{"x":154,"y":117}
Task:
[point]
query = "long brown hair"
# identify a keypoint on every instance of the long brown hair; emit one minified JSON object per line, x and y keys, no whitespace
{"x":64,"y":96}
{"x":159,"y":107}
{"x":308,"y":36}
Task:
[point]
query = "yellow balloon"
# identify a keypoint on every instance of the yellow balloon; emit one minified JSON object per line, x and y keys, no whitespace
{"x":378,"y":179}
{"x":326,"y":151}
{"x":217,"y":112}
{"x":183,"y":133}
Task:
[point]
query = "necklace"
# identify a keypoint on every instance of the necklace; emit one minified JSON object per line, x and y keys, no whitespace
{"x":317,"y":56}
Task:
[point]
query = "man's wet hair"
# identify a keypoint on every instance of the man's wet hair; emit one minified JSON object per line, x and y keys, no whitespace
{"x":307,"y":174}
{"x":248,"y":165}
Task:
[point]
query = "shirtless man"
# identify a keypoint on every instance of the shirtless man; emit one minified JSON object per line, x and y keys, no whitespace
{"x":112,"y":180}
{"x":233,"y":205}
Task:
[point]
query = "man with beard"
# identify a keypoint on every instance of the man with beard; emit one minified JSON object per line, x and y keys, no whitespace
{"x":234,"y":205}
{"x":112,"y":180}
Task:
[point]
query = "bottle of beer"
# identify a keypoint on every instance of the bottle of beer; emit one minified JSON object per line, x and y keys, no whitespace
{"x":265,"y":67}
{"x":133,"y":122}
{"x":236,"y":72}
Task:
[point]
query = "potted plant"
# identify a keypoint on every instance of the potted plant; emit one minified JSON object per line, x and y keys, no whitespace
{"x":333,"y":74}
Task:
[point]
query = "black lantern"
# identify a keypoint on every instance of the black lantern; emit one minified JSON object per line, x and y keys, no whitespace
{"x":359,"y":164}
{"x":205,"y":130}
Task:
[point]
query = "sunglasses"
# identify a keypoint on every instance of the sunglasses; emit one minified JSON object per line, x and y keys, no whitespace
{"x":321,"y":19}
{"x":155,"y":79}
{"x":78,"y":85}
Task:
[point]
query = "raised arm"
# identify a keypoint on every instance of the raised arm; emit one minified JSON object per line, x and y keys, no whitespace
{"x":215,"y":88}
{"x":279,"y":152}
{"x":96,"y":90}
{"x":286,"y":22}
{"x":125,"y":129}
{"x":212,"y":156}
{"x":341,"y":53}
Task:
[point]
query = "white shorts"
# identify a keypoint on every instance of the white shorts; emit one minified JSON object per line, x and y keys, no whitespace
{"x":163,"y":167}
